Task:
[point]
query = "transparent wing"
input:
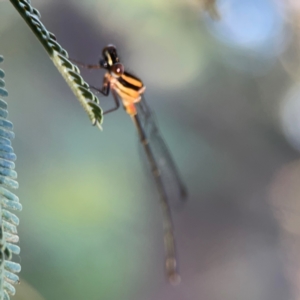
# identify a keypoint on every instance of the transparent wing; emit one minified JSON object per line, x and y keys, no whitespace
{"x":168,"y":182}
{"x":174,"y":188}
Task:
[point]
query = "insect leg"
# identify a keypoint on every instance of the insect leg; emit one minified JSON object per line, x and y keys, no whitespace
{"x":117,"y":102}
{"x":85,"y":65}
{"x":105,"y":92}
{"x":105,"y":86}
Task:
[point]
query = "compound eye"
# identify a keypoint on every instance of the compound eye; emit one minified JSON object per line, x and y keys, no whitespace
{"x":110,"y":54}
{"x":110,"y":50}
{"x":118,"y":69}
{"x":103,"y":63}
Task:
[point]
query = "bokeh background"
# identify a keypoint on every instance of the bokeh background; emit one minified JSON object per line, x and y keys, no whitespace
{"x":227,"y":98}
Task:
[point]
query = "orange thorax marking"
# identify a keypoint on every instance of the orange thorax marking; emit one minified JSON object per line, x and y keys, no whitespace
{"x":128,"y":95}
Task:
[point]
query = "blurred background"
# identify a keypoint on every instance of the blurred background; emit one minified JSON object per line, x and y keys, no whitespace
{"x":227,"y":98}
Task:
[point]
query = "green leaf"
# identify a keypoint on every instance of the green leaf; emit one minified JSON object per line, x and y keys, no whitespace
{"x":59,"y":56}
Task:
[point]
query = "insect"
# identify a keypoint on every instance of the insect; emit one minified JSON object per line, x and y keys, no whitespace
{"x":129,"y":90}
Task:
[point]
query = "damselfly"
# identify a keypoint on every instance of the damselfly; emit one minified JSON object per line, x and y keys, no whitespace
{"x":129,"y":90}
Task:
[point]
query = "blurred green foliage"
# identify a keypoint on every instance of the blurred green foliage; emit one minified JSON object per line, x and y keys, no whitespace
{"x":91,"y":226}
